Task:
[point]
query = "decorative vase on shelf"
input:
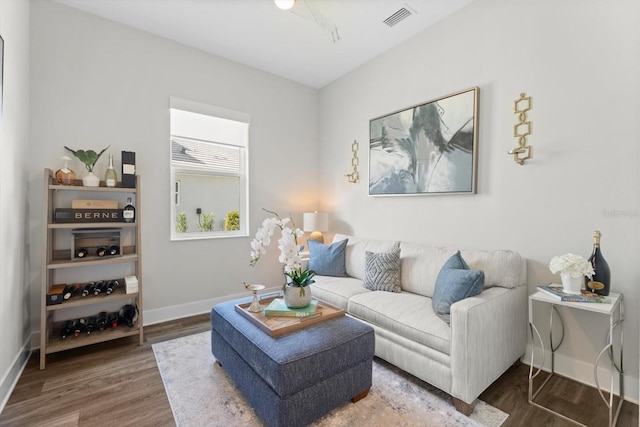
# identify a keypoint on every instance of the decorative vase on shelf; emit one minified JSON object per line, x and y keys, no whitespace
{"x":91,"y":180}
{"x":64,"y":175}
{"x":570,"y":284}
{"x":297,"y":296}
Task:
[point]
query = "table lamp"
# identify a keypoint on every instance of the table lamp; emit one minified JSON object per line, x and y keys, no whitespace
{"x":316,"y":223}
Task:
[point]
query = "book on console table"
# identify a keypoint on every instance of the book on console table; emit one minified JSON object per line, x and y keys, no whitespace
{"x":277,"y":307}
{"x":556,"y":291}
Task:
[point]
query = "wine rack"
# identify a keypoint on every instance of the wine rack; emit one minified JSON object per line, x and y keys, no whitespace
{"x":58,"y":263}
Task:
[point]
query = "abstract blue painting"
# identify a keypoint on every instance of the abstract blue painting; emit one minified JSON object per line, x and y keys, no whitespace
{"x":429,"y":148}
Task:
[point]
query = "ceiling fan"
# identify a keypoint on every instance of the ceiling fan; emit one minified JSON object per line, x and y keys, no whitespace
{"x":311,"y":12}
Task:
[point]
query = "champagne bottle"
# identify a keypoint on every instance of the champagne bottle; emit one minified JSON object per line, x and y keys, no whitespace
{"x":128,"y":315}
{"x":600,"y":283}
{"x":110,"y":176}
{"x":129,"y":212}
{"x":102,"y":321}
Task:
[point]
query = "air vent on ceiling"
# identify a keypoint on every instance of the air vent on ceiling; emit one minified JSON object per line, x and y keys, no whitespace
{"x":397,"y":17}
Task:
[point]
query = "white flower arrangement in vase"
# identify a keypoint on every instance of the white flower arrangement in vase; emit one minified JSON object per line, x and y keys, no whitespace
{"x":572,"y":269}
{"x":289,"y":250}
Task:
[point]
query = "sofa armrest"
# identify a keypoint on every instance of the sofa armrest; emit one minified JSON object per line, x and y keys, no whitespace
{"x":488,"y":334}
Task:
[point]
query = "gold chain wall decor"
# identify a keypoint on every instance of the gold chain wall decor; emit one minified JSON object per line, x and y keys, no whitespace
{"x":522,"y":129}
{"x":354,"y":176}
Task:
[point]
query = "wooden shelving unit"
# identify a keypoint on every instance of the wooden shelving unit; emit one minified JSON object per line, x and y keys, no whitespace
{"x":56,"y":260}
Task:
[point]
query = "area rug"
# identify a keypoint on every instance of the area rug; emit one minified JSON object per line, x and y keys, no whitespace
{"x":201,"y":394}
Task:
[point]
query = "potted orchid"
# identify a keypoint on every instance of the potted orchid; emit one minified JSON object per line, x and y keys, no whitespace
{"x":297,"y":276}
{"x":572,"y":269}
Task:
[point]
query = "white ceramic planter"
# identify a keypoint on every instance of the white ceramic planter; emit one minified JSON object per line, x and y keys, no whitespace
{"x":90,"y":180}
{"x":571,"y":285}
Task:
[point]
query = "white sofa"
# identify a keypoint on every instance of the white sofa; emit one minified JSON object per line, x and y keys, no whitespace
{"x":487,"y":333}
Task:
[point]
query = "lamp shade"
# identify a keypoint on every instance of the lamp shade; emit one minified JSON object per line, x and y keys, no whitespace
{"x":315,"y":221}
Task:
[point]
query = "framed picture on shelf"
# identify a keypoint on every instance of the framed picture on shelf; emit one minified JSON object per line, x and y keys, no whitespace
{"x":430,"y":148}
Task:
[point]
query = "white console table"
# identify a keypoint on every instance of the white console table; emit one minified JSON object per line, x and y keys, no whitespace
{"x":615,"y":312}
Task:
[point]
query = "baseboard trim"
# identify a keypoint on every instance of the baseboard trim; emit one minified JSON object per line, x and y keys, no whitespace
{"x":166,"y":314}
{"x":13,"y":374}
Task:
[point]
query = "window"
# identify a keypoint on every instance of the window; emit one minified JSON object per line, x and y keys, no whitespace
{"x":209,"y":151}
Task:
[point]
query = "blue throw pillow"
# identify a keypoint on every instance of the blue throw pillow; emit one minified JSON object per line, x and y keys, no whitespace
{"x":455,"y":282}
{"x":327,"y":260}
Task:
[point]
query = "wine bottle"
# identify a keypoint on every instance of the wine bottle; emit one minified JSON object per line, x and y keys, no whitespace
{"x":69,"y":290}
{"x":128,"y":315}
{"x":113,"y":250}
{"x":600,"y":283}
{"x":101,"y":287}
{"x":101,"y":321}
{"x":129,"y":212}
{"x":111,"y":286}
{"x":67,"y":329}
{"x":112,"y":319}
{"x":101,"y":251}
{"x":79,"y":326}
{"x":110,"y":176}
{"x":81,"y":253}
{"x":88,"y":288}
{"x":90,"y":325}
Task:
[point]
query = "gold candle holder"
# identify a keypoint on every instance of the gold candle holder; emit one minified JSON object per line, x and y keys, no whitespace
{"x":255,"y":306}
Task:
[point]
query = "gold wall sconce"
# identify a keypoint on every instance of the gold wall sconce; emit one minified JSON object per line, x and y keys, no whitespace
{"x":354,"y":176}
{"x":522,"y":129}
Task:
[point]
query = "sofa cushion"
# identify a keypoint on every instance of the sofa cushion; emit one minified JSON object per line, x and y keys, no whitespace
{"x":501,"y":267}
{"x":421,"y":263}
{"x":356,"y":249}
{"x":408,"y":315}
{"x":337,"y":290}
{"x":382,"y":271}
{"x":455,"y":283}
{"x":327,"y":260}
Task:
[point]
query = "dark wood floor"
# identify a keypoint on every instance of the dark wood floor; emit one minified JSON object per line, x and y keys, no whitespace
{"x":118,"y":384}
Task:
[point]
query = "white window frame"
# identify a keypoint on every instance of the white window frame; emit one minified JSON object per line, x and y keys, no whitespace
{"x":191,"y":132}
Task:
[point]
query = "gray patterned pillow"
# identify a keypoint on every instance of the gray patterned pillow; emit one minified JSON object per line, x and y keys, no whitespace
{"x":382,"y":271}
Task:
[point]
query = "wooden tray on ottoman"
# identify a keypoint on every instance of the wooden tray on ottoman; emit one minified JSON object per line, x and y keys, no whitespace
{"x":279,"y":325}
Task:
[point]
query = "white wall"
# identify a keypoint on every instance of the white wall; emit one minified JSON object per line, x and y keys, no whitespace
{"x":96,"y":82}
{"x":14,"y":140}
{"x":579,"y":61}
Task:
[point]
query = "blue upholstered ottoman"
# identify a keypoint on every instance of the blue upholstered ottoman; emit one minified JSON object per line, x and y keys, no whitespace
{"x":296,"y":378}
